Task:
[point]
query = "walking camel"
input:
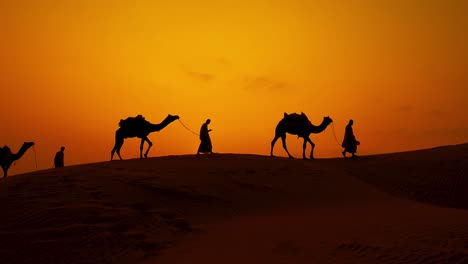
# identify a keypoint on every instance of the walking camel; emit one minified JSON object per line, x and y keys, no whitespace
{"x":140,"y":128}
{"x":7,"y":157}
{"x":299,"y":125}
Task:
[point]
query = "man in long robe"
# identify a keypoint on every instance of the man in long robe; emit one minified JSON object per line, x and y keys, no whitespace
{"x":349,"y":141}
{"x":59,"y":158}
{"x":205,"y":140}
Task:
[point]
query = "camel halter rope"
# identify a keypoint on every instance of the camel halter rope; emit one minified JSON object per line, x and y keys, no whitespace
{"x":187,"y":127}
{"x":334,"y":134}
{"x":35,"y":158}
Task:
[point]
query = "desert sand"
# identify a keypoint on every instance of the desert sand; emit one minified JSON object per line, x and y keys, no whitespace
{"x":409,"y":207}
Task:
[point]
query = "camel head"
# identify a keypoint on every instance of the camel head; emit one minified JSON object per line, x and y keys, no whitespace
{"x":28,"y":144}
{"x":327,"y":120}
{"x":171,"y":118}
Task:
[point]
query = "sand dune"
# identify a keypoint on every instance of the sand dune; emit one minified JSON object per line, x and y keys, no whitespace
{"x":232,"y":208}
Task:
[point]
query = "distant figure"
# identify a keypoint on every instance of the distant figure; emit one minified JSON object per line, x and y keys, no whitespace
{"x":205,"y":140}
{"x":7,"y":157}
{"x":59,"y":158}
{"x":138,"y":127}
{"x":349,"y":141}
{"x":299,"y":125}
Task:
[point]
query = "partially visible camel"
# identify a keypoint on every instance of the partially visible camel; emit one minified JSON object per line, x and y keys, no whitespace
{"x":7,"y":157}
{"x":299,"y":125}
{"x":140,"y":128}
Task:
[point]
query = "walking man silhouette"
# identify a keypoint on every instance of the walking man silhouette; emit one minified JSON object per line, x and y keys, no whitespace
{"x":59,"y":158}
{"x":205,"y":140}
{"x":349,"y":141}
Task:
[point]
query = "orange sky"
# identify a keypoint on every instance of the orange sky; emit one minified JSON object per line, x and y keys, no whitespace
{"x":70,"y":70}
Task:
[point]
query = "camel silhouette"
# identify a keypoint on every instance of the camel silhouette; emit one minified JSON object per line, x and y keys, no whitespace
{"x":140,"y":128}
{"x":7,"y":157}
{"x":299,"y":125}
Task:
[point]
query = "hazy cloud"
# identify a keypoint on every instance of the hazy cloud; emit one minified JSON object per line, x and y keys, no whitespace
{"x":200,"y":76}
{"x":223,"y":62}
{"x":264,"y":84}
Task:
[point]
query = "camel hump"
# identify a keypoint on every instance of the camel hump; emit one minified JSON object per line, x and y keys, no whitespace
{"x":4,"y":152}
{"x":138,"y":120}
{"x":5,"y":148}
{"x":294,"y":117}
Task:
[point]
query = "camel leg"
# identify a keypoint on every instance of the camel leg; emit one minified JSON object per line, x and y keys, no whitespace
{"x":273,"y":145}
{"x":149,"y":146}
{"x":283,"y":139}
{"x":304,"y":146}
{"x":5,"y":171}
{"x":313,"y":146}
{"x":141,"y":147}
{"x":113,"y":151}
{"x":118,"y":152}
{"x":117,"y":146}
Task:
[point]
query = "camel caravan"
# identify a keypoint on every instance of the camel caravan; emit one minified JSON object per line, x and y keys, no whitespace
{"x":138,"y":126}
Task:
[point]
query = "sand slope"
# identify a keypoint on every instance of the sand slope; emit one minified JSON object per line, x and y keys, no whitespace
{"x":227,"y":208}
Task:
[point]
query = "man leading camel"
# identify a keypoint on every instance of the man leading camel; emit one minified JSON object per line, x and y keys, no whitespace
{"x":205,"y":140}
{"x":59,"y":158}
{"x":349,"y":141}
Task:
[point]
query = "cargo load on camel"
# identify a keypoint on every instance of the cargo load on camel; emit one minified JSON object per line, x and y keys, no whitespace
{"x":137,"y":121}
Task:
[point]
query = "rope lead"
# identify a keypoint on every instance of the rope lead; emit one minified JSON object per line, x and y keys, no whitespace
{"x":334,"y":135}
{"x":187,"y":128}
{"x":35,"y":158}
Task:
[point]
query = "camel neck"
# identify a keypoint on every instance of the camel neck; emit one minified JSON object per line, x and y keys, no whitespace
{"x":319,"y":128}
{"x":21,"y":152}
{"x":163,"y":124}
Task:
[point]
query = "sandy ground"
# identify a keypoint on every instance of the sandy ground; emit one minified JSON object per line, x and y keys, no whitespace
{"x":230,"y":208}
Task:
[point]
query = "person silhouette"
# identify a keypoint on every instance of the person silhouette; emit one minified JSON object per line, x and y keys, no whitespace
{"x":349,"y":141}
{"x":59,"y":158}
{"x":205,"y":140}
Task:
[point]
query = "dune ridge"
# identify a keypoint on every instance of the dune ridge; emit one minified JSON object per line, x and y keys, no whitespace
{"x":232,"y":208}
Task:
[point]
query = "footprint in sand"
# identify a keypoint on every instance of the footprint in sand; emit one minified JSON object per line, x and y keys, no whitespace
{"x":120,"y":227}
{"x":167,"y":215}
{"x":180,"y":225}
{"x":97,"y":195}
{"x":57,"y":204}
{"x":287,"y":248}
{"x":94,"y":192}
{"x":111,"y":204}
{"x":149,"y":247}
{"x":140,"y":207}
{"x":92,"y":188}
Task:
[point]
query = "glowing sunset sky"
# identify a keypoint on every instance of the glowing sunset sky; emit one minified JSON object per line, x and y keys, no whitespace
{"x":70,"y":70}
